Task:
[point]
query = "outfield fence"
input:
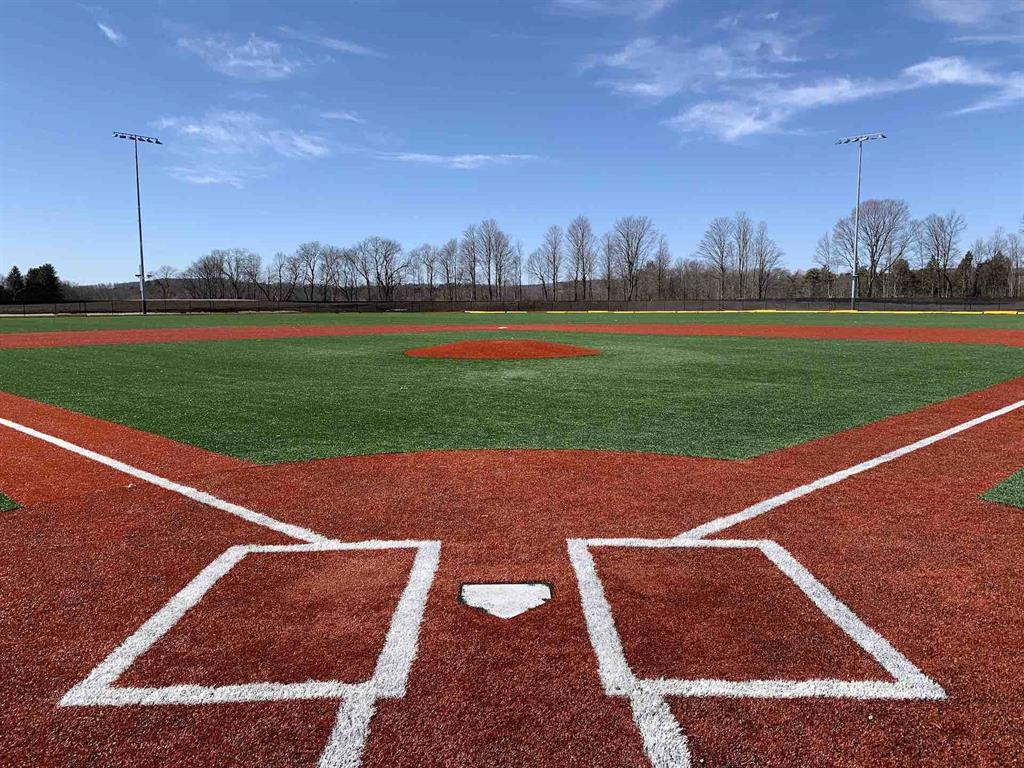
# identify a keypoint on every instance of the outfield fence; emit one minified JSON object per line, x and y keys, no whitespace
{"x":188,"y":306}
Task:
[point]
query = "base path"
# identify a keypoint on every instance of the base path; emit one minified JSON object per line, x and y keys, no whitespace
{"x":908,"y":546}
{"x":1010,"y":338}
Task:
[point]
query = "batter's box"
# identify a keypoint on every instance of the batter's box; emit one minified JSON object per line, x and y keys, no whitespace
{"x":619,"y":678}
{"x":384,"y":676}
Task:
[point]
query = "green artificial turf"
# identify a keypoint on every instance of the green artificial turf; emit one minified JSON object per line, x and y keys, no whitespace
{"x":69,"y":323}
{"x":7,"y":504}
{"x":291,"y":399}
{"x":1010,"y":491}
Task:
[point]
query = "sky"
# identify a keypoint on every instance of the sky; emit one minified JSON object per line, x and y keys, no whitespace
{"x":288,"y":122}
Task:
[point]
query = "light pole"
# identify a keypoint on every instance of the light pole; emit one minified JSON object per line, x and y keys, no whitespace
{"x":859,"y":141}
{"x":135,"y":139}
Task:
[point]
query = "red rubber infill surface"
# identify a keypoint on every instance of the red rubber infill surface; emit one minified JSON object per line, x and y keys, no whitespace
{"x":1011,"y":338}
{"x":908,"y":546}
{"x":502,"y":349}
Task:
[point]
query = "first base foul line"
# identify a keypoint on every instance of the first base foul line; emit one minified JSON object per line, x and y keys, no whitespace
{"x":728,"y":521}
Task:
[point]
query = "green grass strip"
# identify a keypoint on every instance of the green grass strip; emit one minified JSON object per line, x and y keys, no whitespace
{"x":909,"y":320}
{"x":7,"y":504}
{"x":1010,"y":491}
{"x":297,"y":399}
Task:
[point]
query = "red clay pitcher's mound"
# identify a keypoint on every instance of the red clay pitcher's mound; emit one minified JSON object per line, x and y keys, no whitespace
{"x":502,"y":349}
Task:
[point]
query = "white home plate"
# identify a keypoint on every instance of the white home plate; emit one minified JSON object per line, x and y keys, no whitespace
{"x":505,"y":600}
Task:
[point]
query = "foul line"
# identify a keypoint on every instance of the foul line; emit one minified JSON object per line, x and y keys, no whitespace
{"x":292,"y":531}
{"x":728,"y":521}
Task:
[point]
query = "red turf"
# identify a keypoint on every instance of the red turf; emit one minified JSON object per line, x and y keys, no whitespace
{"x":502,"y":349}
{"x":908,"y":546}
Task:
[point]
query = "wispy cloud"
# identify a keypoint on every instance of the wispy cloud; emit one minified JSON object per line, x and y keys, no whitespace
{"x":111,"y":34}
{"x":255,"y":59}
{"x":980,"y":21}
{"x":226,"y":132}
{"x":461,"y":162}
{"x":769,"y":109}
{"x":350,"y":117}
{"x":205,"y":176}
{"x":637,"y":9}
{"x":332,"y":43}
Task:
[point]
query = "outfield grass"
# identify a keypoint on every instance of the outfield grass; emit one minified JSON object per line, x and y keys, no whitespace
{"x":7,"y":504}
{"x":292,"y":399}
{"x":936,"y":320}
{"x":1010,"y":491}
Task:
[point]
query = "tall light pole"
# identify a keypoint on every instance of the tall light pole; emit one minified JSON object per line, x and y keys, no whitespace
{"x":135,"y":139}
{"x":859,"y":141}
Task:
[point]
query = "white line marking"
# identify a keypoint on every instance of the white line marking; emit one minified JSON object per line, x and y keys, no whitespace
{"x":292,"y":531}
{"x":358,"y":700}
{"x":722,"y":523}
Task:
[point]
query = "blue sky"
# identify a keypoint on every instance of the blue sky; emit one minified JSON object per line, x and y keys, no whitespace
{"x":286,"y":122}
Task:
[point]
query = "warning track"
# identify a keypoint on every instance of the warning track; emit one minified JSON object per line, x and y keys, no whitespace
{"x":1012,"y":338}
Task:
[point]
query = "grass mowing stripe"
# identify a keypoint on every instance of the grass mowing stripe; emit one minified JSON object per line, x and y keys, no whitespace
{"x":7,"y":504}
{"x":1010,"y":491}
{"x":32,"y":324}
{"x":297,"y":399}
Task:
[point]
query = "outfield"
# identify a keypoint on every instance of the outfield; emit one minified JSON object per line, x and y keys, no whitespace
{"x":714,"y":540}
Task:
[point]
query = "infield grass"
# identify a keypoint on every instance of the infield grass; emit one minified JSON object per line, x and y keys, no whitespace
{"x":1010,"y":491}
{"x":294,"y":399}
{"x":909,"y":320}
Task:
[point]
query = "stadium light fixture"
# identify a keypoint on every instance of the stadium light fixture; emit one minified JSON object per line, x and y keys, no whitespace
{"x":859,"y":141}
{"x":135,"y":139}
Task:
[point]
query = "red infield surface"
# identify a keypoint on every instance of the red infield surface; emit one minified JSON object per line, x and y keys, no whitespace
{"x":163,"y":606}
{"x":1010,"y":338}
{"x":502,"y":349}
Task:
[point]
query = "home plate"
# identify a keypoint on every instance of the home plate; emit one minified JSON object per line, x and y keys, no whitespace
{"x":505,"y":600}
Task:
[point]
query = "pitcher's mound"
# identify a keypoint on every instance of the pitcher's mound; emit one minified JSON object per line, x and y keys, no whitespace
{"x":502,"y":349}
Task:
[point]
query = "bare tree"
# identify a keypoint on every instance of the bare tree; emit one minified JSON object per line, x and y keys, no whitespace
{"x":204,"y":278}
{"x":716,"y":248}
{"x":163,"y":277}
{"x":309,"y":255}
{"x":388,"y":267}
{"x":635,"y":239}
{"x":609,"y":258}
{"x":448,"y":258}
{"x":826,"y":261}
{"x":469,"y":254}
{"x":582,"y":254}
{"x":551,"y":252}
{"x":767,"y":257}
{"x":742,"y":236}
{"x":938,"y":243}
{"x":886,"y":229}
{"x":537,"y":268}
{"x":662,"y":263}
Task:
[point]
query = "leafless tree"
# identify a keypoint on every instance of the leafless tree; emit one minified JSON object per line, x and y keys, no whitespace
{"x":163,"y":277}
{"x":826,"y":261}
{"x":448,"y":259}
{"x":635,"y":239}
{"x":662,"y":263}
{"x":609,"y":258}
{"x":938,"y":243}
{"x":551,"y":252}
{"x":716,"y":248}
{"x":582,"y":246}
{"x":742,"y":237}
{"x":767,"y":257}
{"x":204,"y":278}
{"x":385,"y":256}
{"x":310,"y":255}
{"x":886,"y":230}
{"x":469,"y":253}
{"x":537,"y":268}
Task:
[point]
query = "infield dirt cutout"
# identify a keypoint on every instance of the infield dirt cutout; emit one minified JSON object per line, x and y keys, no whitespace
{"x":502,"y":349}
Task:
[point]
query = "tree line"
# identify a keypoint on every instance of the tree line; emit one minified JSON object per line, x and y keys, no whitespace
{"x":39,"y":285}
{"x":898,"y":257}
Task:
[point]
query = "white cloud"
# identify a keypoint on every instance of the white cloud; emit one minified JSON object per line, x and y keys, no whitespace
{"x":208,"y":176}
{"x":226,"y":132}
{"x":350,"y":117}
{"x":111,"y":34}
{"x":462,"y":162}
{"x":333,"y":43}
{"x":255,"y":59}
{"x":637,"y":9}
{"x":971,"y":12}
{"x":767,"y":109}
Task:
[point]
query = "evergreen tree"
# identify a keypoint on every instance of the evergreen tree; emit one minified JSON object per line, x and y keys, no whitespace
{"x":15,"y":284}
{"x":43,"y":285}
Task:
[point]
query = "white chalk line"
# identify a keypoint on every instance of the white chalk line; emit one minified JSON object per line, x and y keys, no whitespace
{"x":728,"y":521}
{"x":351,"y":728}
{"x":258,"y":518}
{"x":664,"y":741}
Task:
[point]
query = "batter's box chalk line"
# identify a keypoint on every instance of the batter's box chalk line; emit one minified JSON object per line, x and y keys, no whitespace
{"x":358,"y":700}
{"x":664,"y":741}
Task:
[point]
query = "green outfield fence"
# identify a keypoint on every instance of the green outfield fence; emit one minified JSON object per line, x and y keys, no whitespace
{"x":186,"y":306}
